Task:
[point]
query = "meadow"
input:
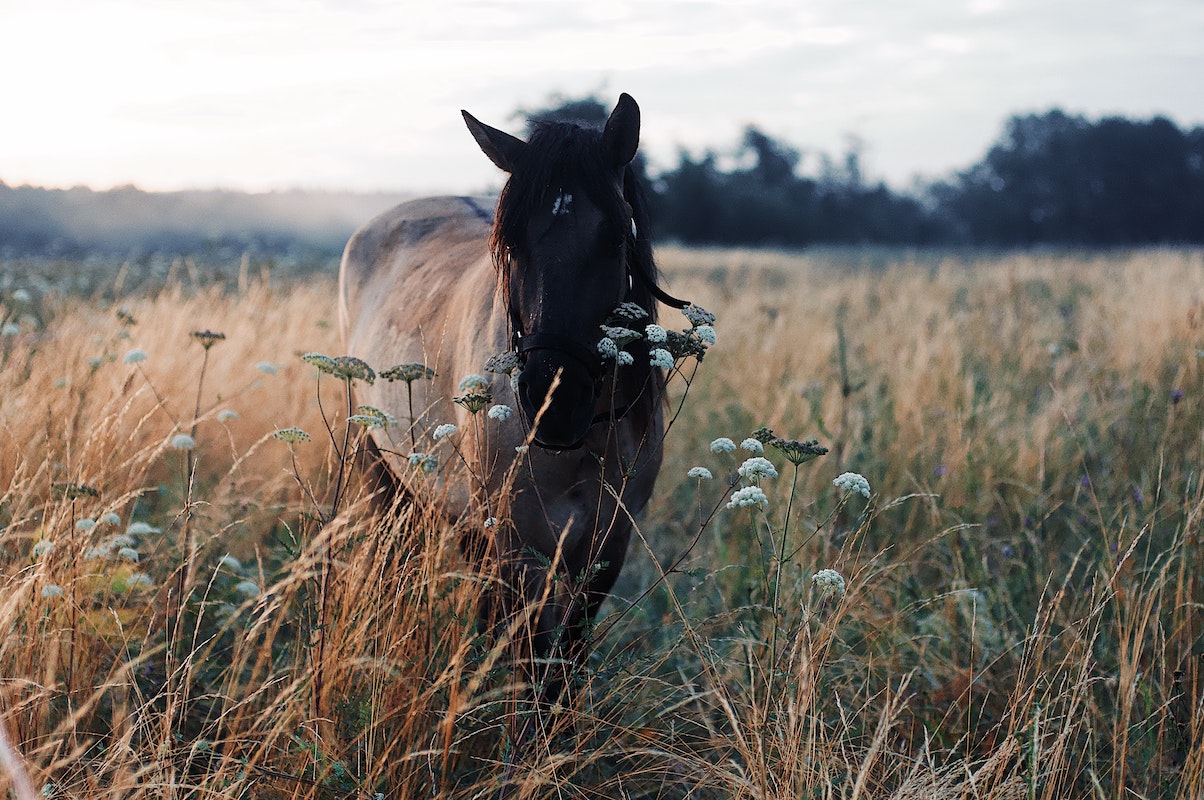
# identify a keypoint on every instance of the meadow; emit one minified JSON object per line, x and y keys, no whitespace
{"x":200,"y":601}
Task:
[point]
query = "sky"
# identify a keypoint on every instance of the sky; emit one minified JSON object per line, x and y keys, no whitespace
{"x":365,"y":95}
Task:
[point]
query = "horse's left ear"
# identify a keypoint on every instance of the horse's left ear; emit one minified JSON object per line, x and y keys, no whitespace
{"x":503,"y":149}
{"x":621,"y":136}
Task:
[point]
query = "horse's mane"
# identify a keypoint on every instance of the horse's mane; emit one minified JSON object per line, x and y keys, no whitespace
{"x":560,"y":153}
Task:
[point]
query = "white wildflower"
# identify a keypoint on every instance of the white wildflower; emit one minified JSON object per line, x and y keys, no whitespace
{"x":141,"y":528}
{"x":415,"y":458}
{"x":473,"y":384}
{"x":748,"y":496}
{"x":42,"y":547}
{"x":51,"y":591}
{"x":109,"y":518}
{"x":230,"y":562}
{"x":752,"y":445}
{"x":267,"y":367}
{"x":138,"y":580}
{"x":248,"y":588}
{"x":86,"y":524}
{"x":624,"y":359}
{"x":10,"y":329}
{"x":607,"y":347}
{"x":128,"y":554}
{"x":706,"y":333}
{"x":227,"y":415}
{"x":723,"y":445}
{"x":22,"y":295}
{"x":429,"y":465}
{"x":491,"y":522}
{"x":655,"y":334}
{"x":702,"y":473}
{"x":500,"y":412}
{"x":829,"y":580}
{"x":852,"y":482}
{"x":756,"y":468}
{"x":134,"y":357}
{"x":446,"y":429}
{"x":662,"y":358}
{"x":697,"y":315}
{"x":121,"y":540}
{"x":522,"y":449}
{"x":182,"y":441}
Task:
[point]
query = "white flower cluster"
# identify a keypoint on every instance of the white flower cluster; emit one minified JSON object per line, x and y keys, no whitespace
{"x":749,"y":496}
{"x":829,"y":580}
{"x":756,"y":468}
{"x":701,"y":473}
{"x":852,"y":482}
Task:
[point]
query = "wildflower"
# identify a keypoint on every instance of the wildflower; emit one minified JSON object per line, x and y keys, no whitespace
{"x":756,"y":468}
{"x":697,"y":315}
{"x":429,"y":465}
{"x":491,"y":522}
{"x":630,"y":311}
{"x":22,"y":295}
{"x":51,"y":591}
{"x":292,"y":435}
{"x":796,"y":452}
{"x":722,"y":445}
{"x":121,"y":540}
{"x":267,"y":367}
{"x":248,"y":588}
{"x":126,"y":317}
{"x":128,"y":554}
{"x":522,"y":449}
{"x":227,"y":415}
{"x":662,"y":358}
{"x":624,"y":359}
{"x":95,"y":362}
{"x":415,"y":458}
{"x":620,"y":335}
{"x":473,"y":384}
{"x":706,"y":333}
{"x":41,"y":548}
{"x":408,"y":373}
{"x":230,"y":562}
{"x":752,"y":445}
{"x":501,"y":412}
{"x":748,"y":496}
{"x":182,"y":441}
{"x":109,"y":518}
{"x":1176,"y":396}
{"x":86,"y":524}
{"x":829,"y":580}
{"x":608,"y":348}
{"x":701,"y":473}
{"x":10,"y":329}
{"x":141,"y":528}
{"x":93,"y":553}
{"x":370,"y":421}
{"x":502,"y":363}
{"x":138,"y":580}
{"x":473,"y":401}
{"x":654,"y":333}
{"x":323,"y":362}
{"x":74,"y":491}
{"x":852,"y":482}
{"x":350,"y":368}
{"x":135,"y":356}
{"x":207,"y":338}
{"x":446,"y":429}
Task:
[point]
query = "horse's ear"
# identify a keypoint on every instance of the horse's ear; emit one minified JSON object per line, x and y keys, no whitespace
{"x":621,"y":136}
{"x":502,"y":148}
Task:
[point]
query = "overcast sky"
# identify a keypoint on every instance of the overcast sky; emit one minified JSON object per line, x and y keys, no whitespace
{"x":361,"y":94}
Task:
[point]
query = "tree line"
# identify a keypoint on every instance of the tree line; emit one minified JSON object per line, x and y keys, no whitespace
{"x":1050,"y":178}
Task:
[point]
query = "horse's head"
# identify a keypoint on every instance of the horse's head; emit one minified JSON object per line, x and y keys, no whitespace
{"x":561,"y":240}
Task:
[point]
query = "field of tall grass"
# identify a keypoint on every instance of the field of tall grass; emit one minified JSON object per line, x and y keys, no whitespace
{"x":196,"y":604}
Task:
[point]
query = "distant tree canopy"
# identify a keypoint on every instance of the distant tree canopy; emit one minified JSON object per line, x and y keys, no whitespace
{"x":1051,"y":178}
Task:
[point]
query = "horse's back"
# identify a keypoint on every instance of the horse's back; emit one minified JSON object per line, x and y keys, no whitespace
{"x":418,"y":244}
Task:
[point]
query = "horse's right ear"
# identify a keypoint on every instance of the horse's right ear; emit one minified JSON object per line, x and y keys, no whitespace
{"x":502,"y":148}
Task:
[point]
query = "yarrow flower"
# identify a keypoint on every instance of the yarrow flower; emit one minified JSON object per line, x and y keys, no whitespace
{"x":796,"y":452}
{"x":86,"y":524}
{"x":409,"y":373}
{"x":292,"y":435}
{"x":138,"y":580}
{"x":748,"y":496}
{"x":630,"y":311}
{"x":502,"y":363}
{"x":267,"y":367}
{"x":41,"y":547}
{"x":473,"y":401}
{"x":10,"y":329}
{"x":607,"y":347}
{"x":701,"y":473}
{"x":141,"y":529}
{"x":128,"y":554}
{"x":706,"y":333}
{"x":723,"y":445}
{"x":852,"y":482}
{"x":134,"y":357}
{"x":473,"y":384}
{"x":109,"y":518}
{"x":654,"y":333}
{"x":662,"y":358}
{"x":620,"y":335}
{"x":752,"y":445}
{"x":230,"y":562}
{"x":182,"y":441}
{"x":446,"y":429}
{"x":697,"y":315}
{"x":829,"y":580}
{"x":248,"y":588}
{"x":51,"y":591}
{"x":207,"y":338}
{"x":500,"y":412}
{"x":522,"y":449}
{"x":227,"y":415}
{"x":756,"y":468}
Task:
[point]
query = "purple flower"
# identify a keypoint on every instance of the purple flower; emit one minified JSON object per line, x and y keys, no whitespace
{"x":940,"y":471}
{"x":1138,"y":497}
{"x":1176,"y":396}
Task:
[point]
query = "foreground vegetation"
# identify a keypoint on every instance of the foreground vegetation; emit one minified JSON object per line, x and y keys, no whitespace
{"x":194,"y":606}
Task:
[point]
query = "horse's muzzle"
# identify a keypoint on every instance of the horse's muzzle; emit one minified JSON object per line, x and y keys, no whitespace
{"x":563,"y":422}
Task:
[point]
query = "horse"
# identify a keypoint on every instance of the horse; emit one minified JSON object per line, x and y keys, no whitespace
{"x":547,"y":495}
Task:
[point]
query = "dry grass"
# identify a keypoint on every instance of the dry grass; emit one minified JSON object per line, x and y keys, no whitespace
{"x":1022,"y":617}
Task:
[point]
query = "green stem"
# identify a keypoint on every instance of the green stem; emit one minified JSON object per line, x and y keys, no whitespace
{"x":777,"y":586}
